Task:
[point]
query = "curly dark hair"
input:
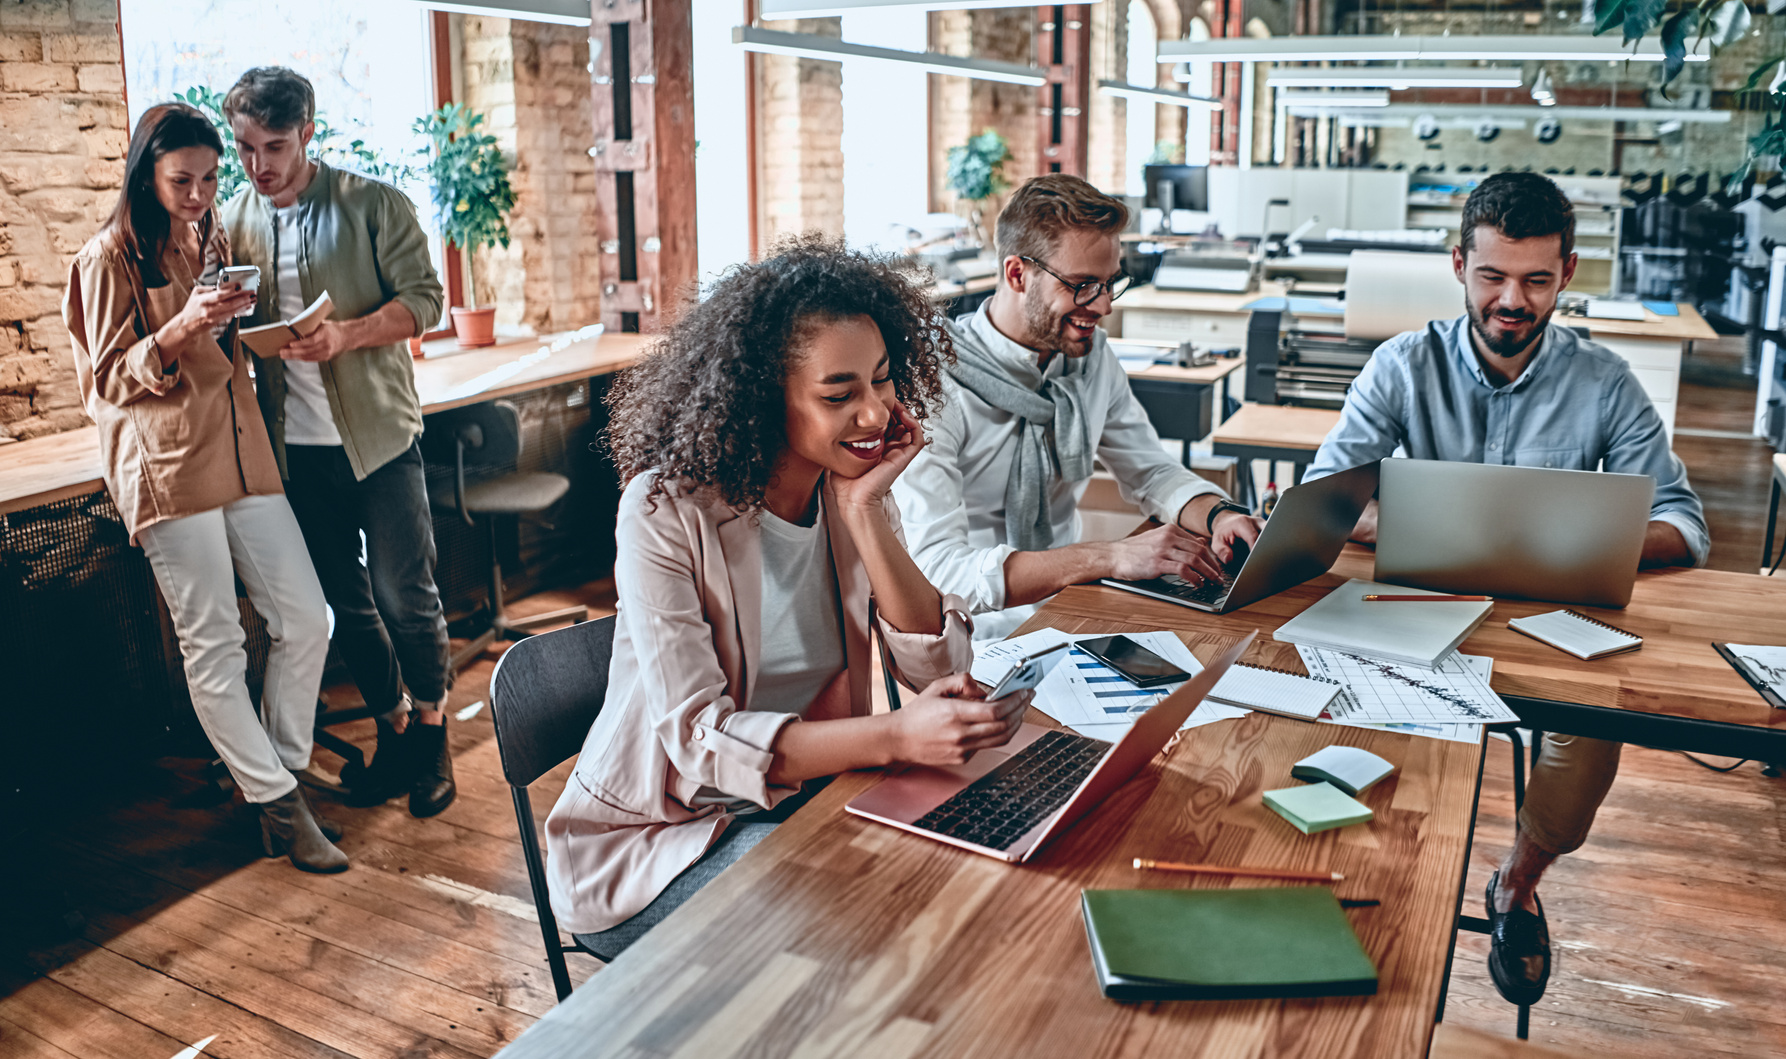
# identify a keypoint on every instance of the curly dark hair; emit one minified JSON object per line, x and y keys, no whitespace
{"x":705,"y":408}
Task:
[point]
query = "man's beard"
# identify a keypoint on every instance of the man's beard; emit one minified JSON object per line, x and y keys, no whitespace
{"x":1509,"y":344}
{"x":1047,"y":331}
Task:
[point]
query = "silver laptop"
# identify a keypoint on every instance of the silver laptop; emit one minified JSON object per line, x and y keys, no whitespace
{"x":1522,"y":532}
{"x":1300,"y":540}
{"x":1007,"y":803}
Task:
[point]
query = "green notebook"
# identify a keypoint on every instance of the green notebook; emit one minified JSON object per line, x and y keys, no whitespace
{"x":1224,"y":944}
{"x":1317,"y":807}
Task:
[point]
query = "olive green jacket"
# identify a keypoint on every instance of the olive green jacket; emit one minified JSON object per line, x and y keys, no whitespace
{"x":364,"y":245}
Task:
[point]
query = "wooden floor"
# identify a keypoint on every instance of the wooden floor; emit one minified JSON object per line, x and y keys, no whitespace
{"x":1670,"y":924}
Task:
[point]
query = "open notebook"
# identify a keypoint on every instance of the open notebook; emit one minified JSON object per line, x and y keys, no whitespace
{"x":1275,"y":691}
{"x":1577,"y":634}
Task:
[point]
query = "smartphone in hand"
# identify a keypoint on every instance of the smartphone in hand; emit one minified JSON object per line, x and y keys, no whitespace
{"x":245,"y":277}
{"x":1027,"y":672}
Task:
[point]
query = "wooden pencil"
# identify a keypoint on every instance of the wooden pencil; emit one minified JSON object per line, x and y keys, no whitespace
{"x":1224,"y":869}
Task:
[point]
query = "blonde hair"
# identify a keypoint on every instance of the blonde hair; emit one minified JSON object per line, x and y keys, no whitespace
{"x":1045,"y":206}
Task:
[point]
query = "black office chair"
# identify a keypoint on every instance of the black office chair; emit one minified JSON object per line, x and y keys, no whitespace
{"x":484,"y":438}
{"x":544,"y":696}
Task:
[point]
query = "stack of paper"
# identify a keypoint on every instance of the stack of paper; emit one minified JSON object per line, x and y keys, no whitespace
{"x":1419,"y":634}
{"x":1089,"y":697}
{"x":1317,"y":807}
{"x":1455,"y":692}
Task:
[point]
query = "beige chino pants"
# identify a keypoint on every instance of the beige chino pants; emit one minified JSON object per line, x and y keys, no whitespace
{"x":1565,"y":790}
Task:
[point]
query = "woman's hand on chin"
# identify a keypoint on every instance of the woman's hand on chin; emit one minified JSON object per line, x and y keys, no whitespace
{"x":866,"y":491}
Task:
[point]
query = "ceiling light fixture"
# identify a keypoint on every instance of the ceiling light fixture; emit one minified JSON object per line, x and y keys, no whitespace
{"x":779,"y":9}
{"x":812,"y":46}
{"x":1313,"y":98}
{"x":1158,"y":95}
{"x":557,"y":12}
{"x":1395,"y":77}
{"x":1468,"y":114}
{"x":1383,"y":48}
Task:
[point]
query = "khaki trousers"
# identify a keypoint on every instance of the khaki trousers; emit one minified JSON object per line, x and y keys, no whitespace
{"x":1566,"y":788}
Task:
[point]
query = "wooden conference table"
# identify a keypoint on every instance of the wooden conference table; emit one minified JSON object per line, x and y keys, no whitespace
{"x":838,"y":937}
{"x":60,"y":466}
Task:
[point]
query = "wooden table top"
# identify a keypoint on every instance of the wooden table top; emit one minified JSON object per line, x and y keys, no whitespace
{"x":944,"y":290}
{"x":47,"y":469}
{"x":1676,"y":673}
{"x":1208,"y":374}
{"x":1277,"y":426}
{"x":840,"y":937}
{"x":1689,"y":326}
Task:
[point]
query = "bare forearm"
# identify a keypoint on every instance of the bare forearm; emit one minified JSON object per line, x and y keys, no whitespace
{"x":906,"y":598}
{"x":1033,"y":576}
{"x":809,"y":749}
{"x":387,"y":325}
{"x":1663,"y":545}
{"x":1193,"y":517}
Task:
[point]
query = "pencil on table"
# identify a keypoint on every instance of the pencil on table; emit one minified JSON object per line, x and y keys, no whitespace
{"x":1223,"y":869}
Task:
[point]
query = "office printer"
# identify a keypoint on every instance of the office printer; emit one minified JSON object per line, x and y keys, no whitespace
{"x":1209,"y":265}
{"x":1307,"y":351}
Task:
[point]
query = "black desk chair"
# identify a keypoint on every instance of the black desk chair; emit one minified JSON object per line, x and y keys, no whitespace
{"x":544,"y":696}
{"x":485,"y":438}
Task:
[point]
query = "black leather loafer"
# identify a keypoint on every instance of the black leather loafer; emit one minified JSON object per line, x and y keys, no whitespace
{"x":1518,"y":950}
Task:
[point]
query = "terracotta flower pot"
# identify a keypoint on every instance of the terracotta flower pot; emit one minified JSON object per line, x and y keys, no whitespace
{"x":475,"y":327}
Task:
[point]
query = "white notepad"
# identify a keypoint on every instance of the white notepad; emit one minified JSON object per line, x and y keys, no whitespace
{"x":1577,"y":634}
{"x":1347,"y":767}
{"x":1275,"y":691}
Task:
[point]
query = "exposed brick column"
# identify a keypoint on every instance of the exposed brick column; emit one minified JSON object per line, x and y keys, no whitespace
{"x":799,"y":139}
{"x":1063,"y":51}
{"x":63,"y":133}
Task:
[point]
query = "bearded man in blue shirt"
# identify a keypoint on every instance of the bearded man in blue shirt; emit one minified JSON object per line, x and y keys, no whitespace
{"x":1501,"y":385}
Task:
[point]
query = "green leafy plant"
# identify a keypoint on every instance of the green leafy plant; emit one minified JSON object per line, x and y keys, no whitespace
{"x":472,"y":196}
{"x":1166,"y":152}
{"x":230,"y":176}
{"x":976,"y":170}
{"x":1719,"y":23}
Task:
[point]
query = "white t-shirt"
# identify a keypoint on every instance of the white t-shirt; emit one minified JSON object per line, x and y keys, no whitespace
{"x":802,"y":649}
{"x":308,"y":420}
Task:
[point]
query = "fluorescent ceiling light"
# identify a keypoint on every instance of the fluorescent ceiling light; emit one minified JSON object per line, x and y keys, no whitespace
{"x":1158,"y":95}
{"x":560,"y":12}
{"x":776,"y":9}
{"x":1305,"y":98}
{"x":1396,"y":77}
{"x":812,"y":46}
{"x":1570,"y":47}
{"x":1469,"y":113}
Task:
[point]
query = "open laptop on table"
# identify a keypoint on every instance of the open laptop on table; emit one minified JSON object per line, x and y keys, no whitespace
{"x":1301,"y":540}
{"x":1521,"y":532}
{"x":1008,"y":802}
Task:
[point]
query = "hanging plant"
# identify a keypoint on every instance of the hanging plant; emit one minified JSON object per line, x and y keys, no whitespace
{"x":472,"y":195}
{"x":976,"y":170}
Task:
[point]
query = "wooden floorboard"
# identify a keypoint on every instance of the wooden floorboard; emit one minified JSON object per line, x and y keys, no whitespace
{"x":1669,"y":925}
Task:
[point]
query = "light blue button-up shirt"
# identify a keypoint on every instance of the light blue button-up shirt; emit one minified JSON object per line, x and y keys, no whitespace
{"x":1575,"y":406}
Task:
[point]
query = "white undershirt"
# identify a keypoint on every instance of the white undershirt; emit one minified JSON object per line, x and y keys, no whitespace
{"x":802,"y":650}
{"x":308,"y":420}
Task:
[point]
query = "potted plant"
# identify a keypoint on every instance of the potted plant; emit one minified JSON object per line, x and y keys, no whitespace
{"x":472,"y":197}
{"x":976,"y":173}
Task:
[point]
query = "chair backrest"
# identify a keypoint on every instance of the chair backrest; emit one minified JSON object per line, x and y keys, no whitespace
{"x":545,"y":694}
{"x":491,"y":431}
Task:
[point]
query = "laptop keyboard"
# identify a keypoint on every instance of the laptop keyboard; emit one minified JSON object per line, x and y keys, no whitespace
{"x":1209,"y":593}
{"x":1000,"y":807}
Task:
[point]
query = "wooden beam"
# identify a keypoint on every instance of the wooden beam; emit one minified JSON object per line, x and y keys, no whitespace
{"x":1063,"y":52}
{"x":644,"y":154}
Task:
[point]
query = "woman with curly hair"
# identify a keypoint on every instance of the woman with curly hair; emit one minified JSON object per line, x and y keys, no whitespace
{"x":756,"y":544}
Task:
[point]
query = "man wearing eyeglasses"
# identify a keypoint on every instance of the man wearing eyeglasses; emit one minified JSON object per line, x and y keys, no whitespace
{"x":991,"y":504}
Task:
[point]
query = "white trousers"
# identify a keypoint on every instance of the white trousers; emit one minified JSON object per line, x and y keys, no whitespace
{"x":196,"y":560}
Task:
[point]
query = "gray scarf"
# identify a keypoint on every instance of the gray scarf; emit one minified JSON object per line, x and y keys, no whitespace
{"x":1039,"y":406}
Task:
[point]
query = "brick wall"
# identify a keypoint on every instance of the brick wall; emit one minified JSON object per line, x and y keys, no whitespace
{"x":1106,"y":128}
{"x":799,"y":139}
{"x":62,"y":140}
{"x":531,"y":81}
{"x":961,"y":107}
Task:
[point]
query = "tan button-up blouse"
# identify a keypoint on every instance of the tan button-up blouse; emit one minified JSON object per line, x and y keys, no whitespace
{"x":172,"y":443}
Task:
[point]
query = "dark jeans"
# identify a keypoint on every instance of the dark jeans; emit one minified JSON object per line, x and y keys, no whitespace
{"x":388,"y":623}
{"x":740,"y":836}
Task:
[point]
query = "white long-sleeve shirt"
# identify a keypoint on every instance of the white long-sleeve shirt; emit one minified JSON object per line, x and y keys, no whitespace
{"x":952,"y":497}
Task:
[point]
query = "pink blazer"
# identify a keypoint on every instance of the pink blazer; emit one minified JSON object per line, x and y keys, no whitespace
{"x":678,"y":716}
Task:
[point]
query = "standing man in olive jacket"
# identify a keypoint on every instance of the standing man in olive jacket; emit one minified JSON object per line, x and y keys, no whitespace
{"x":342,"y":408}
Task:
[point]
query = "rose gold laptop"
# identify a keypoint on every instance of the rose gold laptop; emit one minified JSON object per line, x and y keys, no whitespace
{"x":1009,"y":802}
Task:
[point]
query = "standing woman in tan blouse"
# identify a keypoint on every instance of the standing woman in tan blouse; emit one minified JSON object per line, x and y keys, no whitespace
{"x":189,"y":464}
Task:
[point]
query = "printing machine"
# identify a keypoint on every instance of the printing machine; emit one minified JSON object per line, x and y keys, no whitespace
{"x":1302,"y":359}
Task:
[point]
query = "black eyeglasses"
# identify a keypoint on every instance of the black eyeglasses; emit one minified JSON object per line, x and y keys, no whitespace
{"x":1089,"y":291}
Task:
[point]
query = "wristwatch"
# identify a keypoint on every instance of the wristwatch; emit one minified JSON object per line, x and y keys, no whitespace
{"x":1219,"y":507}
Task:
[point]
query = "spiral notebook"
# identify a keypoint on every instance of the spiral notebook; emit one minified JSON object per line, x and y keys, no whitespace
{"x":1577,"y":634}
{"x":1275,"y":691}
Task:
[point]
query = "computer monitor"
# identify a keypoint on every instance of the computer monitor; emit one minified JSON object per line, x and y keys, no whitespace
{"x":1187,"y":186}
